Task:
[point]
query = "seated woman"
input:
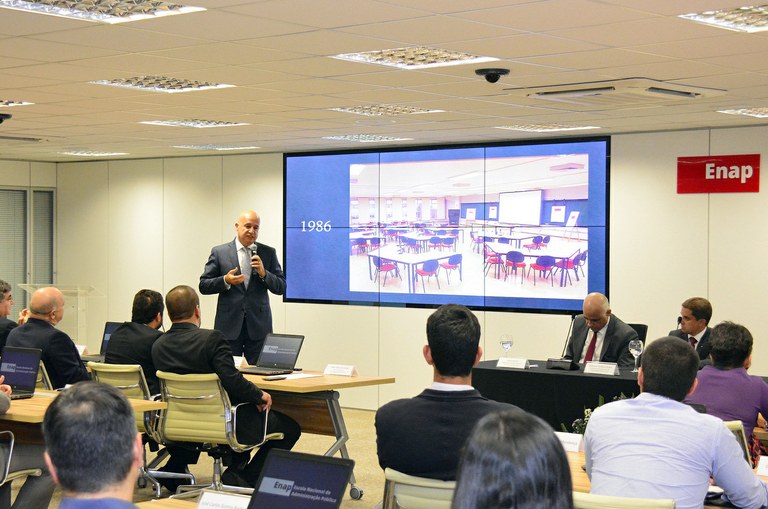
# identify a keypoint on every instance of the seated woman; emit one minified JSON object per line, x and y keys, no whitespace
{"x":725,"y":388}
{"x":513,"y":459}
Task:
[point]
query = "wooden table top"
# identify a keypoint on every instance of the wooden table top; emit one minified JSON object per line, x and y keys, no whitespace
{"x":318,"y":383}
{"x":33,"y":409}
{"x":168,"y":503}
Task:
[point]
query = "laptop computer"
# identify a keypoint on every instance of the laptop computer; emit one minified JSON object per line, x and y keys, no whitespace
{"x":278,"y":356}
{"x":292,"y":479}
{"x":19,"y":366}
{"x":109,"y":328}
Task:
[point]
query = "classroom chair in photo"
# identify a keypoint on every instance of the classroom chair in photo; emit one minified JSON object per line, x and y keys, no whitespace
{"x":542,"y":267}
{"x":411,"y":492}
{"x":590,"y":501}
{"x":43,"y":381}
{"x":569,"y":264}
{"x":199,"y":414}
{"x":385,"y":266}
{"x":545,"y":241}
{"x":641,"y":329}
{"x":7,"y":438}
{"x":492,"y":259}
{"x":375,"y":243}
{"x":411,"y":245}
{"x":360,"y":246}
{"x":477,"y":241}
{"x":130,"y":379}
{"x":435,"y":243}
{"x":428,"y":269}
{"x":514,"y":260}
{"x":582,"y":261}
{"x":453,"y":263}
{"x":448,"y":243}
{"x":535,"y":243}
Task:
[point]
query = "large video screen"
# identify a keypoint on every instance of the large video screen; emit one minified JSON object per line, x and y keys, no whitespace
{"x":520,"y":226}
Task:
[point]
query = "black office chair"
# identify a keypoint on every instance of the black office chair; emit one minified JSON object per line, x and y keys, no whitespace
{"x":641,"y":329}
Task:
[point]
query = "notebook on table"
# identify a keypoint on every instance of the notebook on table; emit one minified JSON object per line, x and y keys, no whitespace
{"x":109,"y":328}
{"x":279,"y":355}
{"x":291,"y":479}
{"x":19,"y":366}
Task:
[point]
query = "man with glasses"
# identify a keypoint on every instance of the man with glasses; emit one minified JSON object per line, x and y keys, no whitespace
{"x":599,"y":335}
{"x":242,"y":272}
{"x":6,"y":303}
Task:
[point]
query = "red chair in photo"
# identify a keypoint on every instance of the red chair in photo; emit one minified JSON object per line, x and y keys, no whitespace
{"x":428,"y":269}
{"x":453,"y":263}
{"x":492,"y":259}
{"x":543,"y":268}
{"x":536,"y":244}
{"x":385,"y":266}
{"x":569,"y":264}
{"x":514,"y":260}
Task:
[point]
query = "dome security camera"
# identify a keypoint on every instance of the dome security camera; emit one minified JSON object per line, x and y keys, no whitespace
{"x":4,"y":117}
{"x":492,"y":75}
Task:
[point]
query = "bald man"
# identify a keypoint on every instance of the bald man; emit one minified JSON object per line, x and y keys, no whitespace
{"x":242,"y":272}
{"x":60,"y":356}
{"x":599,"y":335}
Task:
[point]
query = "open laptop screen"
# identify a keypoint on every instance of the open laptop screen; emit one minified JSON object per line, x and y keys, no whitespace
{"x":291,"y":479}
{"x":280,"y":351}
{"x":109,"y":328}
{"x":20,"y":367}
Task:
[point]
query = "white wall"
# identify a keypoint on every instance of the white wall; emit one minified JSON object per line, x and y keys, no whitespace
{"x":125,"y":225}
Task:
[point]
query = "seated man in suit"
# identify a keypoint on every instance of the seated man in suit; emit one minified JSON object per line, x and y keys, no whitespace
{"x":186,"y":348}
{"x":131,"y":343}
{"x":656,"y":446}
{"x":424,"y":435}
{"x":92,"y":448}
{"x":60,"y":356}
{"x":694,"y":328}
{"x":6,"y":303}
{"x":599,"y":335}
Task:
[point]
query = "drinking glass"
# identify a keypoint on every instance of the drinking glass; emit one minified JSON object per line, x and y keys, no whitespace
{"x":506,"y":343}
{"x":635,"y":348}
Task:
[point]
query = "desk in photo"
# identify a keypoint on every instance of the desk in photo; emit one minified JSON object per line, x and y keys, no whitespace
{"x":558,"y":397}
{"x":313,"y":402}
{"x":25,"y":417}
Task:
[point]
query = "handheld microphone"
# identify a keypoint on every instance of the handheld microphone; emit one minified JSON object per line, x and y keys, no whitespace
{"x":679,"y":321}
{"x":568,"y":335}
{"x":254,"y":251}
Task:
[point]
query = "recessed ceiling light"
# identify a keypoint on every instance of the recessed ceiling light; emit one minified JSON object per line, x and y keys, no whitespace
{"x":750,"y":112}
{"x":91,"y":153}
{"x":389,"y":110}
{"x":742,"y":19}
{"x":102,"y":11}
{"x":4,"y":103}
{"x":213,"y":146}
{"x":418,"y":57}
{"x":161,"y":84}
{"x":201,"y":124}
{"x":544,"y":128}
{"x":364,"y":138}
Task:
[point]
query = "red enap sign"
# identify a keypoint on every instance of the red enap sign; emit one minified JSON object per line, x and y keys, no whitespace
{"x":719,"y":174}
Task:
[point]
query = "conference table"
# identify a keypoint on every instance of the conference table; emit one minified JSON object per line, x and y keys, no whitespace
{"x":25,"y":416}
{"x":559,"y":397}
{"x":313,"y":402}
{"x":560,"y":254}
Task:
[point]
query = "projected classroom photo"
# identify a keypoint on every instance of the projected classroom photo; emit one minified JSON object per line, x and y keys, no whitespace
{"x":512,"y":226}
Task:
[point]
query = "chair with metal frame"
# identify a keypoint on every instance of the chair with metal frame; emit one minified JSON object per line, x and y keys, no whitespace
{"x":7,"y":474}
{"x":590,"y":501}
{"x":403,"y":490}
{"x":199,"y":412}
{"x":43,"y":381}
{"x":130,"y":379}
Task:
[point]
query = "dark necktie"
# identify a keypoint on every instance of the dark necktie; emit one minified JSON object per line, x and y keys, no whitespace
{"x":591,"y":348}
{"x":692,"y":341}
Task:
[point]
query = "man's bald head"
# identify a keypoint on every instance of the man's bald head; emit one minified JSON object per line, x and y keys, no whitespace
{"x":596,"y":310}
{"x":47,"y":304}
{"x":247,"y":226}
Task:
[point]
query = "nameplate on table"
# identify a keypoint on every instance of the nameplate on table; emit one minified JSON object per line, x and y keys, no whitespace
{"x":82,"y":349}
{"x":340,"y":369}
{"x":601,"y":368}
{"x":512,"y":362}
{"x":221,"y":500}
{"x":762,"y":466}
{"x":572,"y":442}
{"x":239,"y":360}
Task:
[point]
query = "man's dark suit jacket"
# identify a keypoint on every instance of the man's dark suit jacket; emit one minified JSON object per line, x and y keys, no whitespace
{"x":615,"y":344}
{"x":237,"y":303}
{"x":60,"y":356}
{"x":187,"y":349}
{"x":6,"y":326}
{"x":131,"y":343}
{"x":423,"y":436}
{"x":702,"y":347}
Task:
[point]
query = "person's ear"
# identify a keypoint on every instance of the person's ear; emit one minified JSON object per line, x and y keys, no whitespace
{"x":51,"y":468}
{"x":427,"y":352}
{"x":478,"y":356}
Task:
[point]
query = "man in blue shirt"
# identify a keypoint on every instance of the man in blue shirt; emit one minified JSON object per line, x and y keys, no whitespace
{"x":655,"y":446}
{"x":93,"y":450}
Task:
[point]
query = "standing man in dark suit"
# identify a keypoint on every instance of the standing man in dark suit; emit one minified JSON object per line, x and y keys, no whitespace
{"x":187,"y":349}
{"x":694,"y":328}
{"x":599,"y":335}
{"x":6,"y":303}
{"x":131,"y":343}
{"x":242,"y":272}
{"x":46,"y":309}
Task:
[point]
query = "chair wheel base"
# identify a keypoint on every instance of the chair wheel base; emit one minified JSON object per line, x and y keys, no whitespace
{"x":356,"y":492}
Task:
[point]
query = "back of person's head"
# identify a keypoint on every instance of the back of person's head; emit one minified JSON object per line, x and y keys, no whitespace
{"x":90,"y":434}
{"x":146,"y":305}
{"x":181,"y":302}
{"x":453,"y":334}
{"x":669,"y":368}
{"x":731,"y":344}
{"x":513,"y":459}
{"x":700,"y":308}
{"x":5,"y":288}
